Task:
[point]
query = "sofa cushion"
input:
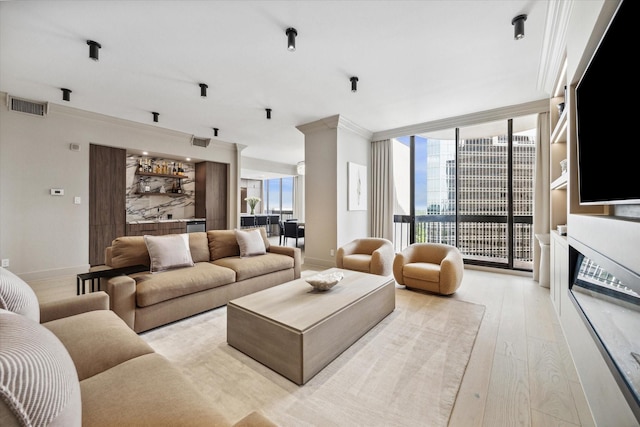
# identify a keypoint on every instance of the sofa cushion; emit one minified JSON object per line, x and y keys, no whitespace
{"x":17,"y":296}
{"x":250,"y":243}
{"x":89,"y":338}
{"x":357,"y":262}
{"x":424,"y":271}
{"x":168,"y":252}
{"x":129,"y":250}
{"x":154,"y":288}
{"x":38,"y":381}
{"x":146,"y":391}
{"x":223,"y":243}
{"x":247,"y":268}
{"x":199,"y":246}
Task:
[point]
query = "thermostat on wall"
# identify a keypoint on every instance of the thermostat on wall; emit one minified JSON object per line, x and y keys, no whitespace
{"x":57,"y":192}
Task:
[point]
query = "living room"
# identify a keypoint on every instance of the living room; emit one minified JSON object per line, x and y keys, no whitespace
{"x":46,"y":237}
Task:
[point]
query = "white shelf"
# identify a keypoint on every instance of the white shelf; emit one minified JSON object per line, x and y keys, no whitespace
{"x":560,"y":183}
{"x":559,"y":135}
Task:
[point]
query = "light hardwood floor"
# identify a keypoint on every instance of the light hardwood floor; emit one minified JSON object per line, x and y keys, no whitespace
{"x":520,"y":372}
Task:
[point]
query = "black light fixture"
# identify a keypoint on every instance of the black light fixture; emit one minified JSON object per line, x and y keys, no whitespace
{"x":291,"y":38}
{"x":215,"y":131}
{"x":66,"y":94}
{"x":203,"y":90}
{"x":518,"y":26}
{"x":354,"y":84}
{"x":94,"y":48}
{"x":268,"y":110}
{"x":155,"y":116}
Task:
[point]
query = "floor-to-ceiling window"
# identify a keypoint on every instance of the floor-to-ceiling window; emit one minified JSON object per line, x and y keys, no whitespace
{"x":472,"y":187}
{"x":279,"y":197}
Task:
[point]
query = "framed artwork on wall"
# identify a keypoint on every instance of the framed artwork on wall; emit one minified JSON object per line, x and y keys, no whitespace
{"x":357,"y":191}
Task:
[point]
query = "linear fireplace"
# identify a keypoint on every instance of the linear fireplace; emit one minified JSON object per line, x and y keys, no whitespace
{"x":607,"y":295}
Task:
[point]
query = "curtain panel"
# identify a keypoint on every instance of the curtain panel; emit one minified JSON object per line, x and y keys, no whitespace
{"x":541,"y":191}
{"x":382,"y":189}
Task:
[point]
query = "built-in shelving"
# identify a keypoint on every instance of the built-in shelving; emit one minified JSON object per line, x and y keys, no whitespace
{"x":559,"y":134}
{"x":160,"y":175}
{"x":560,"y":183}
{"x":157,"y":193}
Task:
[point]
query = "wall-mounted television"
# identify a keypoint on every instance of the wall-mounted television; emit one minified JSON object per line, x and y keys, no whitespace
{"x":608,"y":169}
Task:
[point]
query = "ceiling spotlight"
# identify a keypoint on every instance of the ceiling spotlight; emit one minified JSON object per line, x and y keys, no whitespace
{"x":215,"y":131}
{"x":66,"y":94}
{"x":291,"y":38}
{"x":203,"y":90}
{"x":518,"y":26}
{"x":268,"y":110}
{"x":155,"y":116}
{"x":354,"y":84}
{"x":94,"y":48}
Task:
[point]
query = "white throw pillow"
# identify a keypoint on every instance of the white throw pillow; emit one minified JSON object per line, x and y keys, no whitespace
{"x":38,"y":381}
{"x":169,"y":251}
{"x":250,"y":242}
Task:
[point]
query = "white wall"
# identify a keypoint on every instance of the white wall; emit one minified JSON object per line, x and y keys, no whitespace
{"x":353,"y":146}
{"x":44,"y":235}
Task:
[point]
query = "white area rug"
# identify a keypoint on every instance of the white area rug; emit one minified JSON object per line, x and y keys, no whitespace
{"x":406,"y":371}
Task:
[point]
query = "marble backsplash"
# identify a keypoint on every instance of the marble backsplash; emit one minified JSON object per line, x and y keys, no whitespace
{"x":157,"y":206}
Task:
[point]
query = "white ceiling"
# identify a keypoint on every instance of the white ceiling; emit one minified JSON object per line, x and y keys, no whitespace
{"x":417,"y":61}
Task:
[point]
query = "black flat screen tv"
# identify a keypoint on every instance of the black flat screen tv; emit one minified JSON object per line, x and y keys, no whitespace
{"x":608,"y":167}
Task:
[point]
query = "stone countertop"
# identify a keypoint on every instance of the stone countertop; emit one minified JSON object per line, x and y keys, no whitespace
{"x":154,"y":221}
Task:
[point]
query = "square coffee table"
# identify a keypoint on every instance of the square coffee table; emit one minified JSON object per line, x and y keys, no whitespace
{"x":297,"y":331}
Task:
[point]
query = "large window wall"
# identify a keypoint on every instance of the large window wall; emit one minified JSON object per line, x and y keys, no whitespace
{"x":278,"y":197}
{"x":472,"y":187}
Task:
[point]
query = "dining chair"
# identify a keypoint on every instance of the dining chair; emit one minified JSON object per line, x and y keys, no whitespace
{"x":293,"y":230}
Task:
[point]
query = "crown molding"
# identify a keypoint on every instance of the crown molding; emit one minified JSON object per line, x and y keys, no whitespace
{"x":534,"y":107}
{"x":334,"y":122}
{"x":554,"y":44}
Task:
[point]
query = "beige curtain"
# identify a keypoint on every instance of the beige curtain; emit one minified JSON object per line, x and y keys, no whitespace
{"x":541,"y":192}
{"x":382,"y":189}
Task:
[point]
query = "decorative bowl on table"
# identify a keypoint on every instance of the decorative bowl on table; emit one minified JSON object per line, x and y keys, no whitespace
{"x":324,"y":281}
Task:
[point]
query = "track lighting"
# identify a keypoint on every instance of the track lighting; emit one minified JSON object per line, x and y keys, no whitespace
{"x":268,"y":110}
{"x":94,"y":48}
{"x":203,"y":90}
{"x":66,"y":94}
{"x":354,"y":84}
{"x":518,"y":26}
{"x":215,"y":131}
{"x":291,"y":38}
{"x":155,"y":116}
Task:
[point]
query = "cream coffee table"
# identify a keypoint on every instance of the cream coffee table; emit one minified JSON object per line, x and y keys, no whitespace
{"x":296,"y":330}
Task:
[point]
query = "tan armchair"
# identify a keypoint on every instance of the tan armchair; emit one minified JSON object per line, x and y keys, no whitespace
{"x":369,"y":255}
{"x":432,"y":267}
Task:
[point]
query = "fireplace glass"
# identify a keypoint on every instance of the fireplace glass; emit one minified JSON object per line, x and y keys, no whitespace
{"x":608,"y":296}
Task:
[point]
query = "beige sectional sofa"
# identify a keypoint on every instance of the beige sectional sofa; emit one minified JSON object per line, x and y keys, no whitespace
{"x":73,"y":363}
{"x":219,"y":274}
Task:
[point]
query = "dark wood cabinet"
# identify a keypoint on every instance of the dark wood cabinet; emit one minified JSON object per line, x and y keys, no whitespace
{"x":157,"y":228}
{"x":211,"y":194}
{"x":107,"y":205}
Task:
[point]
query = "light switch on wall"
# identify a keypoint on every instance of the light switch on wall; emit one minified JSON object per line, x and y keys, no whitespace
{"x":76,"y":200}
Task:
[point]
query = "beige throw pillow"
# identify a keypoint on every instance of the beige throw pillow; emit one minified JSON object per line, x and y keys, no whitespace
{"x":250,"y":242}
{"x":168,"y":251}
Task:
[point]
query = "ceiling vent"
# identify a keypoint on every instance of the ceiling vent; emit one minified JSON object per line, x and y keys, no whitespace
{"x":200,"y":142}
{"x":26,"y":106}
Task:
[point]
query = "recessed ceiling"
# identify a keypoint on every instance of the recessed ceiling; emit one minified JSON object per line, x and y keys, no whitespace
{"x":417,"y":61}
